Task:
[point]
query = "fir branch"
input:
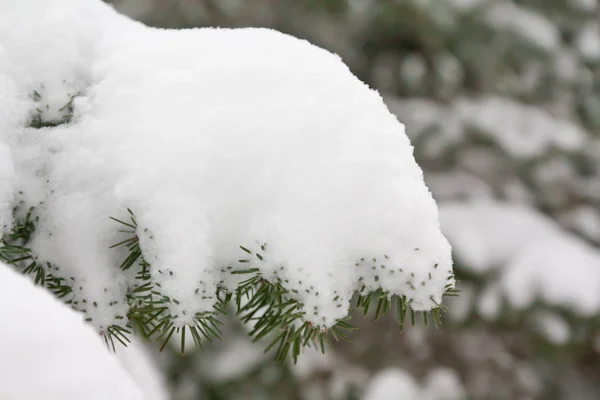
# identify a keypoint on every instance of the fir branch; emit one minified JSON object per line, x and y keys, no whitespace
{"x":266,"y":304}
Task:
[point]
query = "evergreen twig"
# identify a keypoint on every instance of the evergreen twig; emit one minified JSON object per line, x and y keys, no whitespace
{"x":271,"y":309}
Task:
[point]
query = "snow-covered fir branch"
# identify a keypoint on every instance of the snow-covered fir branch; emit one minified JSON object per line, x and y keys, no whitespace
{"x":153,"y":178}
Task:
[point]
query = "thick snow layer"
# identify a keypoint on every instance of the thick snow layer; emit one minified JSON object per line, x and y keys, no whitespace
{"x":215,"y":138}
{"x":48,"y":352}
{"x":6,"y":188}
{"x":538,"y":260}
{"x":7,"y":123}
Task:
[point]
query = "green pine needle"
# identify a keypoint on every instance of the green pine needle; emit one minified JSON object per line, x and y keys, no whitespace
{"x":274,"y":313}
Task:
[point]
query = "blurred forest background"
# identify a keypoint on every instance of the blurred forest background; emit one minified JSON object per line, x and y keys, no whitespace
{"x":501,"y":99}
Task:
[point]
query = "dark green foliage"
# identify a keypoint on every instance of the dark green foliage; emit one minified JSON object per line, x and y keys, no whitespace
{"x":14,"y":250}
{"x":265,"y":304}
{"x":39,"y":119}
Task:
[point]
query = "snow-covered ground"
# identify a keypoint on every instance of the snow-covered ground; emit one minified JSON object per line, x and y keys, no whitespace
{"x":48,"y":352}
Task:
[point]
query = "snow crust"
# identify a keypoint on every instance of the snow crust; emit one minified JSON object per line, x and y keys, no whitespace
{"x":47,"y":352}
{"x":215,"y":138}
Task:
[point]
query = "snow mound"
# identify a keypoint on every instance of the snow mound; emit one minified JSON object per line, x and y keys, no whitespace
{"x":43,"y":339}
{"x":215,"y":138}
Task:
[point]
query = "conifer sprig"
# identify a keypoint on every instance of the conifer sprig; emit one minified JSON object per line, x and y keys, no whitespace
{"x":148,"y":307}
{"x":264,"y":304}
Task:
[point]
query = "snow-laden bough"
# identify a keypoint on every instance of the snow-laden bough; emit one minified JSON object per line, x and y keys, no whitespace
{"x":250,"y":159}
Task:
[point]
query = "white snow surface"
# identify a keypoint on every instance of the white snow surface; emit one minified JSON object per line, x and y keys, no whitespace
{"x":137,"y":360}
{"x":47,"y":352}
{"x":6,"y":188}
{"x":215,"y":138}
{"x":536,"y":258}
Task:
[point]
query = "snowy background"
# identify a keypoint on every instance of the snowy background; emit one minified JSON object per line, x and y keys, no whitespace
{"x":501,"y":100}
